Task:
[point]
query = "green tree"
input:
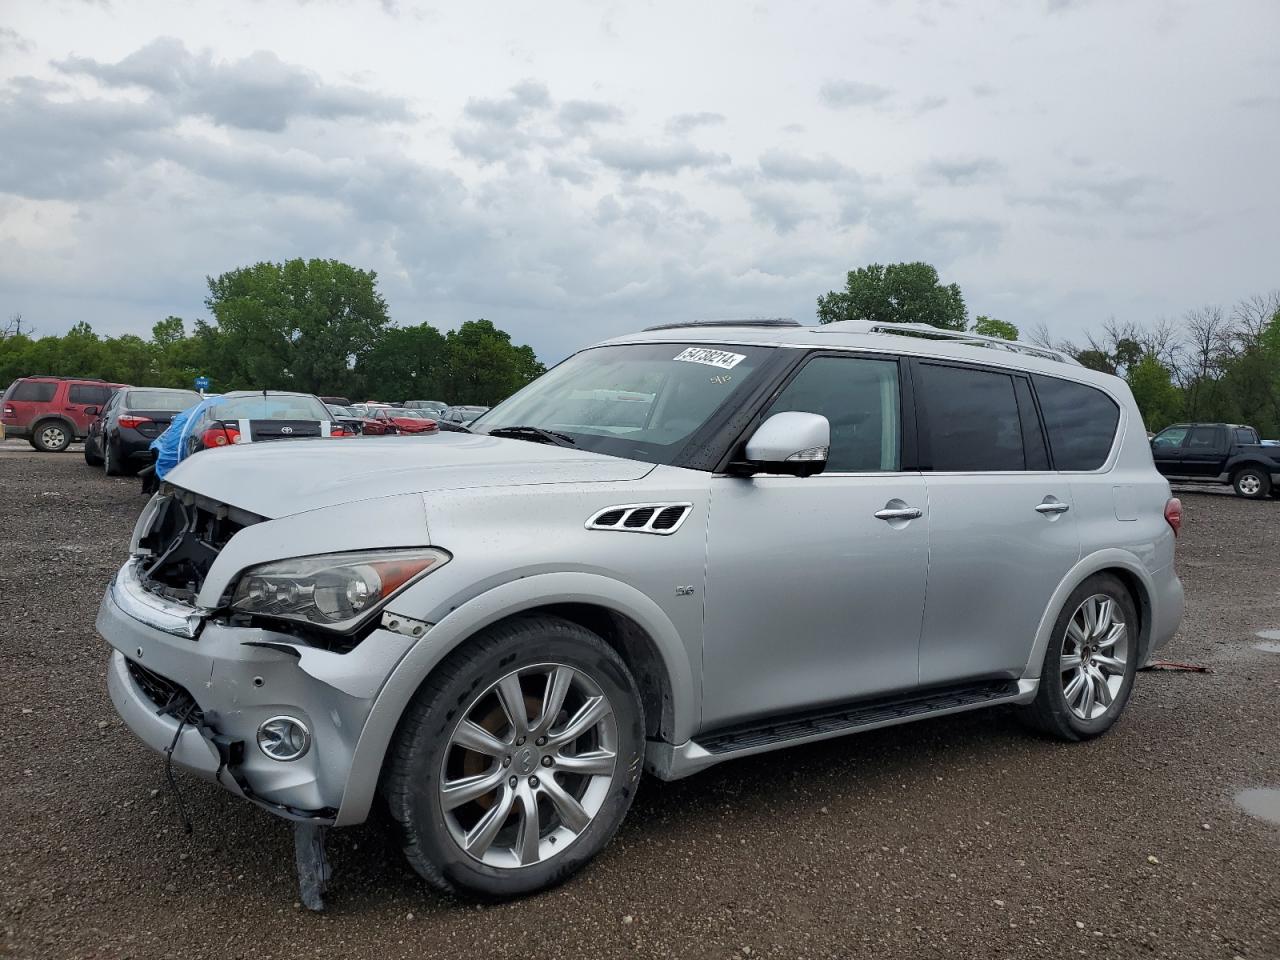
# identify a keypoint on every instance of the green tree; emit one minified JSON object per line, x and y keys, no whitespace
{"x":897,"y":293}
{"x":991,"y":327}
{"x":407,"y":363}
{"x":301,"y":325}
{"x":1152,"y":385}
{"x":482,"y":365}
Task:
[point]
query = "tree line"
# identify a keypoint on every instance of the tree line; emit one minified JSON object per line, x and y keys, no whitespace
{"x":1213,"y":363}
{"x":318,"y":326}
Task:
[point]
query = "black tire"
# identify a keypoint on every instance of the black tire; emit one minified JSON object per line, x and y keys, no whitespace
{"x":51,"y":436}
{"x":422,"y":744}
{"x":1256,"y":483}
{"x":1050,"y":713}
{"x":111,"y":465}
{"x":91,"y":458}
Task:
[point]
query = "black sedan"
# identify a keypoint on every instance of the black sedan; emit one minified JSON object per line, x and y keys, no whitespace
{"x":119,"y":438}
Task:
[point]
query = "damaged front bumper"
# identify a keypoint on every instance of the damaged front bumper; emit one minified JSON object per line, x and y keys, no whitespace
{"x":239,"y":677}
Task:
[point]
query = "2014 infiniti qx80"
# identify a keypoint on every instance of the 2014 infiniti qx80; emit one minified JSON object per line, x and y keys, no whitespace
{"x":675,"y":548}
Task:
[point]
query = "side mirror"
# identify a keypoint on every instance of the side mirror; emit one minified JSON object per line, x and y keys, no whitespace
{"x":792,"y":443}
{"x":90,"y":411}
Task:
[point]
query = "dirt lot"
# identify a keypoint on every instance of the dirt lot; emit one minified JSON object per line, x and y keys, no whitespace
{"x":953,"y":838}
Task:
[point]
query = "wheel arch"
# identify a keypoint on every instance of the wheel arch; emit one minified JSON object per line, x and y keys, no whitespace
{"x":47,"y":418}
{"x":624,"y":617}
{"x":1128,"y":569}
{"x":1235,"y":466}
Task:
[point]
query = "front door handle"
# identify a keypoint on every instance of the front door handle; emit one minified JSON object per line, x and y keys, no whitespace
{"x":899,"y":513}
{"x":1052,"y":506}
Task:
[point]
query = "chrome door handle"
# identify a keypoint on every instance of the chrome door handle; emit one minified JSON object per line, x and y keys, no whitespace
{"x":899,"y":513}
{"x":1053,"y":507}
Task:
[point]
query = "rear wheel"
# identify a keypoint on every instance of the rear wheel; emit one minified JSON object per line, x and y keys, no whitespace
{"x":1090,"y":664}
{"x":517,"y":760}
{"x":110,"y":460}
{"x":1253,"y":483}
{"x":52,"y":436}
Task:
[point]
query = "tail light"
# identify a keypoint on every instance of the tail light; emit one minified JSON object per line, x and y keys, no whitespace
{"x":432,"y":425}
{"x":133,"y":422}
{"x":338,"y":430}
{"x":1173,"y":514}
{"x":219,"y":436}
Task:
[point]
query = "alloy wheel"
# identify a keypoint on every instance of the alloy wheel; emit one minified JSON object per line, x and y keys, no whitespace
{"x":1095,"y":651}
{"x":1249,"y":485}
{"x":529,"y":765}
{"x":53,"y":437}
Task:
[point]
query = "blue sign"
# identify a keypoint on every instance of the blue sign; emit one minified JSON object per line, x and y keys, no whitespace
{"x":202,"y":384}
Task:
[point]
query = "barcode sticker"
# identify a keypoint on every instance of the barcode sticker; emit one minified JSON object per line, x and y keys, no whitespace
{"x":712,"y":358}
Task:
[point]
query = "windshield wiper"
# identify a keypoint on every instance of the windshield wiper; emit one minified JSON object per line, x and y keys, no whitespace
{"x":448,"y":426}
{"x":536,"y":434}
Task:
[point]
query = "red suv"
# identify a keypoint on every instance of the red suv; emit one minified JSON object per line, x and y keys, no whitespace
{"x":50,"y":412}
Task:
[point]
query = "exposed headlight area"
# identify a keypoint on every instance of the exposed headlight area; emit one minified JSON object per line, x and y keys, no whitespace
{"x":335,"y":591}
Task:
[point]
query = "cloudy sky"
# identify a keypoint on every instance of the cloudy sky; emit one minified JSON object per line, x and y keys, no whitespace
{"x":574,"y":170}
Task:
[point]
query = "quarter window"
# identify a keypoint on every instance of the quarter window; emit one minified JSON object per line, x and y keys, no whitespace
{"x":1081,"y":422}
{"x":860,"y":399}
{"x":33,"y":392}
{"x":973,"y":421}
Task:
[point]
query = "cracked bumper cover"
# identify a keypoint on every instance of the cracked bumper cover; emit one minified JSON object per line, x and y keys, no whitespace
{"x":240,"y":677}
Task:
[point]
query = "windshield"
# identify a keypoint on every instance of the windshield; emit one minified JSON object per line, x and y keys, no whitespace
{"x":644,"y":401}
{"x":257,"y":407}
{"x":161,"y":399}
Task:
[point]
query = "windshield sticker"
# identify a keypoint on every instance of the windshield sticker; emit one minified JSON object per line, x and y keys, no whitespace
{"x":712,"y":358}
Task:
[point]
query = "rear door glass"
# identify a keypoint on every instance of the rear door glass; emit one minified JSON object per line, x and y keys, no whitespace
{"x":972,"y":419}
{"x":1081,"y":422}
{"x":1203,"y":438}
{"x":82,"y":393}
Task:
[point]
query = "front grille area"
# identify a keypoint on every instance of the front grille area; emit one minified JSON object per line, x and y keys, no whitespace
{"x":169,"y":697}
{"x":186,"y":536}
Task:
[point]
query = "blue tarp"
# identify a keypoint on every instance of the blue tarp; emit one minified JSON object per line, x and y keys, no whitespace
{"x":171,"y":446}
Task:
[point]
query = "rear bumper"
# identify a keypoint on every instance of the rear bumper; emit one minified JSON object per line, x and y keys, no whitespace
{"x":240,"y":677}
{"x":133,"y":445}
{"x":1167,"y":605}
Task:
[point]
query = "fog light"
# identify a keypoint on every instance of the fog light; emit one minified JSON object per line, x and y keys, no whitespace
{"x":284,"y":738}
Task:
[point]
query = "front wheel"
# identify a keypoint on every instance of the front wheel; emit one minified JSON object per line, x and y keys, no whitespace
{"x":1090,"y":664}
{"x":517,"y":760}
{"x":1253,"y":483}
{"x":90,"y":457}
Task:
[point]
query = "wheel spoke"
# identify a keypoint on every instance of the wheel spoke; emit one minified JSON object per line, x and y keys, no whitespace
{"x":1116,"y":632}
{"x":1072,"y":689}
{"x":454,"y":793}
{"x":1087,"y":697}
{"x":530,"y":827}
{"x":1089,"y":611}
{"x":1107,"y":665}
{"x":1075,"y":634}
{"x":594,"y":763}
{"x":480,"y":837}
{"x":1071,"y":661}
{"x":558,"y":683}
{"x":477,"y":738}
{"x":571,"y":813}
{"x":1102,"y":690}
{"x":1106,"y":612}
{"x":588,"y":715}
{"x":512,"y":699}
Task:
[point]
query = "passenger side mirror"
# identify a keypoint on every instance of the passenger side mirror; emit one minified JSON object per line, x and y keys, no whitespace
{"x":792,"y":443}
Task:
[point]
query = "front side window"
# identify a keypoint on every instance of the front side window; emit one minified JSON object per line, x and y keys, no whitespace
{"x":644,"y":401}
{"x":1081,"y":422}
{"x":860,"y":399}
{"x":1170,"y":438}
{"x":973,"y":421}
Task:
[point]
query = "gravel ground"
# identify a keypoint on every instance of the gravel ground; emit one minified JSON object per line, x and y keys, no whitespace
{"x":960,"y":837}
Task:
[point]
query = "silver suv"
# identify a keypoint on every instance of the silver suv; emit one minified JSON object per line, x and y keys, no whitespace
{"x":675,"y":548}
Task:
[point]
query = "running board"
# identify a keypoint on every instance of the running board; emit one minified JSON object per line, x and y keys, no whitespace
{"x":671,"y":763}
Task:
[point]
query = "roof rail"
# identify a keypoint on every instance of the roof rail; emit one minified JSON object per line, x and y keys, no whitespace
{"x":763,"y":322}
{"x":56,"y":376}
{"x":959,"y":336}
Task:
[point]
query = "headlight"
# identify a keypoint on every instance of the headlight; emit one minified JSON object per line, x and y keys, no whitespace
{"x":334,"y":590}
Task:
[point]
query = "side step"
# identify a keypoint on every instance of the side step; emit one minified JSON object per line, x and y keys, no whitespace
{"x":775,"y":731}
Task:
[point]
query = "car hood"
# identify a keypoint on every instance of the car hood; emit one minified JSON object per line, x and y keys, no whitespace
{"x":285,"y":477}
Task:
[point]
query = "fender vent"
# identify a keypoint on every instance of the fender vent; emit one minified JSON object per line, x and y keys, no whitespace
{"x":659,"y":518}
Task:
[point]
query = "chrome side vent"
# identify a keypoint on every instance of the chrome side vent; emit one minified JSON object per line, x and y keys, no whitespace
{"x":660,"y":518}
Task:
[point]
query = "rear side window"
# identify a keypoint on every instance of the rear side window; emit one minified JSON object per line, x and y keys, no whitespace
{"x":33,"y":391}
{"x":83,"y":393}
{"x":1203,"y":438}
{"x":859,"y":398}
{"x":973,"y":421}
{"x":1081,"y":422}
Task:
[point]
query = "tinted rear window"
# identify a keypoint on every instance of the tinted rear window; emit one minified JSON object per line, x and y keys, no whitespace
{"x":973,"y":419}
{"x":1245,"y":435}
{"x":270,"y":407}
{"x":1081,"y":422}
{"x":83,"y":393}
{"x":173,"y":400}
{"x":34,"y":391}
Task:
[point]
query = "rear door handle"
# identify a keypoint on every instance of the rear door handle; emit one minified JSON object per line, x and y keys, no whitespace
{"x":1052,"y":506}
{"x":899,"y":513}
